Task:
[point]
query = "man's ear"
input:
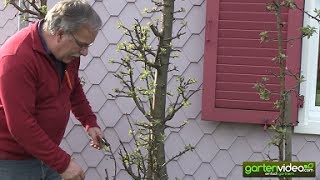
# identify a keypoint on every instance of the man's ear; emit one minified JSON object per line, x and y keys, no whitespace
{"x":60,"y":33}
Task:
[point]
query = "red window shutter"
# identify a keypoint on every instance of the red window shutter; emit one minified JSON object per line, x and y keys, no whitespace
{"x":234,"y":60}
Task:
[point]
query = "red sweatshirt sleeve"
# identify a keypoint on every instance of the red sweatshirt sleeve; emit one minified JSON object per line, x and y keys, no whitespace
{"x":80,"y":106}
{"x":18,"y":96}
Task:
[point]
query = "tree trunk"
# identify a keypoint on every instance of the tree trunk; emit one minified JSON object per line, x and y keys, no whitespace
{"x":21,"y":18}
{"x":288,"y":134}
{"x":159,"y":103}
{"x":285,"y":148}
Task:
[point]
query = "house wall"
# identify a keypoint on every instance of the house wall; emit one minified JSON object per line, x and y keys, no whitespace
{"x":220,"y":148}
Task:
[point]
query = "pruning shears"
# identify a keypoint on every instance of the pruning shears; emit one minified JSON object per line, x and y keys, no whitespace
{"x":106,"y":145}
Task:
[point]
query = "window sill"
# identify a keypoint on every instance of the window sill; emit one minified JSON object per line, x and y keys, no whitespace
{"x":310,"y":128}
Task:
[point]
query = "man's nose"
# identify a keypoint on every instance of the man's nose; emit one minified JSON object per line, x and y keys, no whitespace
{"x":84,"y":51}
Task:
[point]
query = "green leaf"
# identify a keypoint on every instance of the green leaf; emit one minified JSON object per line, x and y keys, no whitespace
{"x":264,"y":36}
{"x":290,"y":4}
{"x":145,"y":74}
{"x":317,"y":11}
{"x":186,"y":103}
{"x":308,"y":31}
{"x":6,"y":2}
{"x":120,"y":25}
{"x":131,"y":132}
{"x":276,"y":104}
{"x":44,"y":9}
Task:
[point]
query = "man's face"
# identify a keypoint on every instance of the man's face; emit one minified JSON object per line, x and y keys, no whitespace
{"x":75,"y":44}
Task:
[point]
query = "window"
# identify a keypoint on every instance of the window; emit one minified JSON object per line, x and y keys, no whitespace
{"x":234,"y":60}
{"x":309,"y":115}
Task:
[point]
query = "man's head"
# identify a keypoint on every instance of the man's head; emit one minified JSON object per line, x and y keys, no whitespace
{"x":74,"y":24}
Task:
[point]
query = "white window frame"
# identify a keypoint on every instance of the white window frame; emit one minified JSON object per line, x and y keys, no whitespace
{"x":309,"y":115}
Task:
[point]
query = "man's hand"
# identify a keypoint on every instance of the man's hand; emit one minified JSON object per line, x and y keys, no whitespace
{"x":73,"y":172}
{"x":96,"y":135}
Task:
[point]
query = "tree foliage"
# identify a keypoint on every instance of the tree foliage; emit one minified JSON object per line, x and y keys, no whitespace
{"x":30,"y":9}
{"x":149,"y":91}
{"x":283,"y":126}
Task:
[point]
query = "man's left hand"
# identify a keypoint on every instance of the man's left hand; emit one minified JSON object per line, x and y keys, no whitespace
{"x":96,"y":135}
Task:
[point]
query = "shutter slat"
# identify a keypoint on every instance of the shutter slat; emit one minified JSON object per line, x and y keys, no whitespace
{"x":237,"y":95}
{"x":249,"y":34}
{"x":234,"y":104}
{"x":254,"y":70}
{"x":245,"y":78}
{"x":245,"y":60}
{"x":244,"y":1}
{"x":246,"y":25}
{"x":242,"y":42}
{"x":250,"y":16}
{"x":243,"y":7}
{"x":260,"y":52}
{"x":243,"y":87}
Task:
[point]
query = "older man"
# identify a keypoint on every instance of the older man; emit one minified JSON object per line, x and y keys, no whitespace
{"x":39,"y":85}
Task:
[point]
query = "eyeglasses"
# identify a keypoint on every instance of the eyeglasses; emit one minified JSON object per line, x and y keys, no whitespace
{"x":80,"y":44}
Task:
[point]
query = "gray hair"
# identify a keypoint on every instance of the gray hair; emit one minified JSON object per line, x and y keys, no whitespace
{"x":71,"y":15}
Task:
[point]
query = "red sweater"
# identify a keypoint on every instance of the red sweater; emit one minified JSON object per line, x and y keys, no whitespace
{"x":35,"y":103}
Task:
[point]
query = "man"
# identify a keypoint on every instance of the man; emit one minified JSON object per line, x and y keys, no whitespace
{"x":39,"y":85}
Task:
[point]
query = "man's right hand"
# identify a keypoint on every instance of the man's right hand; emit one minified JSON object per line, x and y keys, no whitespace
{"x":73,"y":172}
